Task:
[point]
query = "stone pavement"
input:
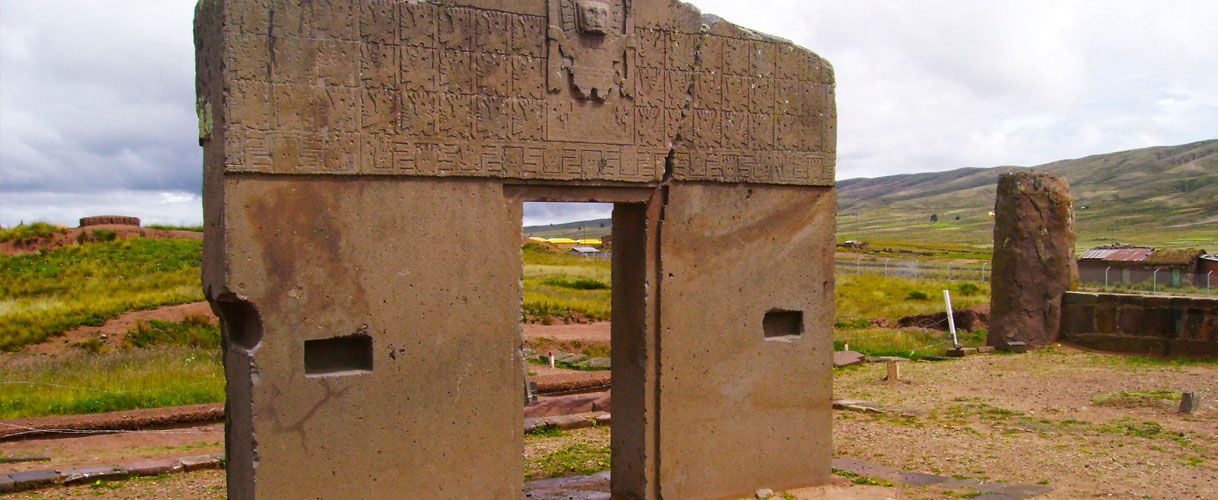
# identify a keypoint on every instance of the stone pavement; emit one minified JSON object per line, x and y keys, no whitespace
{"x":35,"y":479}
{"x":596,"y":487}
{"x":988,"y":490}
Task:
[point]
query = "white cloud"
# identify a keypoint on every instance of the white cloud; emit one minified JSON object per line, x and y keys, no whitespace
{"x":99,"y":96}
{"x":177,"y":208}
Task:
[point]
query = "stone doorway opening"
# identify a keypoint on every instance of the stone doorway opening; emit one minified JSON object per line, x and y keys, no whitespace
{"x":633,"y":341}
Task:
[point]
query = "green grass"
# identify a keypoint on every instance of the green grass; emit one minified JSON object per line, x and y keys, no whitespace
{"x":29,"y":232}
{"x":1135,"y":398}
{"x":44,"y":295}
{"x":909,"y":343}
{"x":82,"y":383}
{"x":565,"y":286}
{"x":579,"y":459}
{"x":192,"y":331}
{"x":866,"y":296}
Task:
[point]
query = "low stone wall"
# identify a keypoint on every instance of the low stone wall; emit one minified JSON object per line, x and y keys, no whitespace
{"x":104,"y":220}
{"x":1142,"y":324}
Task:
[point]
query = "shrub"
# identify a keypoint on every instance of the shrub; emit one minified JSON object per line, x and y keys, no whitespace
{"x":968,"y":289}
{"x":917,"y":295}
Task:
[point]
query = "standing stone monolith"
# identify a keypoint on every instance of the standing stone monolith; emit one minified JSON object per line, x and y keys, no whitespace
{"x":1033,"y":258}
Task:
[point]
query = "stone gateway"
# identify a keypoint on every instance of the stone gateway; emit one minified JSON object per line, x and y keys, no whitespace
{"x":365,"y":165}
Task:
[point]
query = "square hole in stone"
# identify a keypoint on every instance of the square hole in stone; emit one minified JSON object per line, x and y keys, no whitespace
{"x":347,"y":355}
{"x":779,"y":323}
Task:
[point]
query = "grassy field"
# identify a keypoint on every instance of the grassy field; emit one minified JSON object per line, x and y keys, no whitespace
{"x":43,"y":295}
{"x":562,"y":285}
{"x":130,"y":378}
{"x":174,"y":363}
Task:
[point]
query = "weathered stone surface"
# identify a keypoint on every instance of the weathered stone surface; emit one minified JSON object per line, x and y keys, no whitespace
{"x":154,"y":467}
{"x":1190,"y":402}
{"x":1033,"y":259}
{"x":29,"y":480}
{"x":200,"y":462}
{"x":365,"y":168}
{"x":921,"y":479}
{"x":496,"y":89}
{"x":81,"y":475}
{"x":1157,"y":326}
{"x":7,"y":484}
{"x":23,"y":458}
{"x":104,"y":220}
{"x":847,"y":358}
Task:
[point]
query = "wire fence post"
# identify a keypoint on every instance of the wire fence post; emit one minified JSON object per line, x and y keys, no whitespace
{"x":1154,"y":280}
{"x":983,"y":264}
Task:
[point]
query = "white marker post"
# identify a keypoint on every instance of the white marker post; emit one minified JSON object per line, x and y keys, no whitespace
{"x":951,"y":321}
{"x":551,"y":353}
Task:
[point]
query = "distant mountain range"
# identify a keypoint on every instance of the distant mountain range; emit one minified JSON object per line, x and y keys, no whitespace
{"x":1160,"y":196}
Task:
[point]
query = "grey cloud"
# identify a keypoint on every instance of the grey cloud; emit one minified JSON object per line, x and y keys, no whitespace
{"x":99,"y":96}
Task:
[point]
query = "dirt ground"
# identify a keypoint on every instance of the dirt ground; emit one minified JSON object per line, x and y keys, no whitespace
{"x":1031,"y":418}
{"x":1061,"y":417}
{"x":115,"y":449}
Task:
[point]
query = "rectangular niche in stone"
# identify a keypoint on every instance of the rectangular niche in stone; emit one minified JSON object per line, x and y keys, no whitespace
{"x":349,"y":355}
{"x":777,"y":324}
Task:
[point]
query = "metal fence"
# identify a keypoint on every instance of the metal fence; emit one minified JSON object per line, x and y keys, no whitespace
{"x":1116,"y":281}
{"x":1150,"y":281}
{"x":914,"y":269}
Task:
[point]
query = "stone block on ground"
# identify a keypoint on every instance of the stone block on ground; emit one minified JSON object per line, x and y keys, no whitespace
{"x":960,"y":352}
{"x":6,"y":484}
{"x":569,"y":358}
{"x":847,"y":358}
{"x":921,"y":479}
{"x":1190,"y":402}
{"x":532,"y":424}
{"x":23,"y":458}
{"x":936,"y":358}
{"x":200,"y":462}
{"x":568,"y":422}
{"x":154,"y":467}
{"x":82,"y":475}
{"x":29,"y":480}
{"x":985,"y":349}
{"x":596,"y":363}
{"x":885,"y":359}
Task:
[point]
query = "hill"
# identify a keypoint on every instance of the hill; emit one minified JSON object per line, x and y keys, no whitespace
{"x":581,"y":229}
{"x":1164,"y":196}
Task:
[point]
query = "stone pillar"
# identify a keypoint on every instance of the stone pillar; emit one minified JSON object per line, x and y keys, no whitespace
{"x":1033,"y":258}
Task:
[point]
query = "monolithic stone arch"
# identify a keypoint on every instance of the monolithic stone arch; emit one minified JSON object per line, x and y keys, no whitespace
{"x":364,"y":168}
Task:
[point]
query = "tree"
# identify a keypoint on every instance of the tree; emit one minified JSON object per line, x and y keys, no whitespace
{"x":934,"y":218}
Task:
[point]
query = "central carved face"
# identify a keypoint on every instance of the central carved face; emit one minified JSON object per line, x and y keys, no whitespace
{"x":593,"y":17}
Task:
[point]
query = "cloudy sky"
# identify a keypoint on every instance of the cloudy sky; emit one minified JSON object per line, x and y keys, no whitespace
{"x":97,"y":97}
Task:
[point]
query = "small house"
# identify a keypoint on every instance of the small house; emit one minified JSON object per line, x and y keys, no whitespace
{"x":1129,"y":264}
{"x":585,"y":252}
